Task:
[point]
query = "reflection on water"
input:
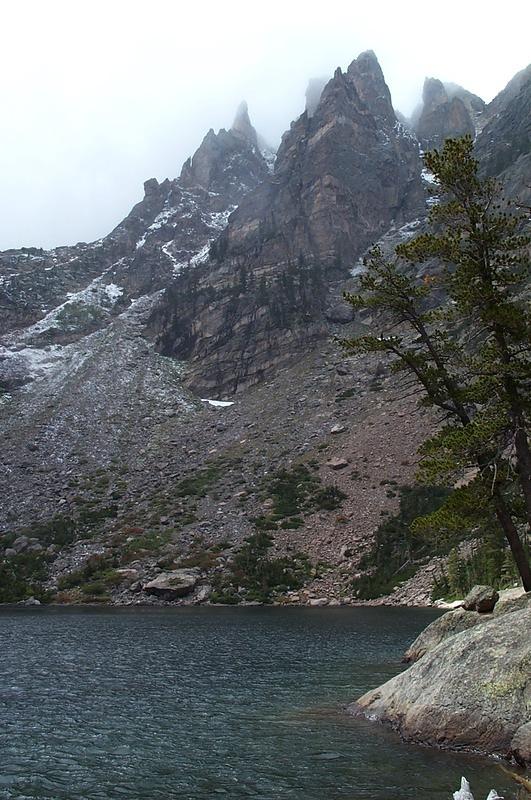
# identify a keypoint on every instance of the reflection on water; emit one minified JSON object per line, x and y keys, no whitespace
{"x":207,"y":702}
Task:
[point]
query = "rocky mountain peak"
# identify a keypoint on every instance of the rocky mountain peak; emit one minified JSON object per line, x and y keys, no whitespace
{"x":474,"y":103}
{"x":361,"y":91}
{"x":297,"y":232}
{"x":151,"y":186}
{"x":367,"y":76}
{"x":220,"y":153}
{"x":242,"y":126}
{"x":443,"y":114}
{"x":433,"y":94}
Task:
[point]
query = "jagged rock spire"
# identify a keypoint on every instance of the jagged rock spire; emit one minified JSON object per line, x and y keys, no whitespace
{"x":366,"y":74}
{"x":433,"y":94}
{"x":363,"y":84}
{"x":242,"y":126}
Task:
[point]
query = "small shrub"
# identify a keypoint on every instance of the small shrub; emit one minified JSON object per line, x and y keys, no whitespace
{"x":98,"y":569}
{"x":328,"y":498}
{"x":258,"y":575}
{"x":198,"y":484}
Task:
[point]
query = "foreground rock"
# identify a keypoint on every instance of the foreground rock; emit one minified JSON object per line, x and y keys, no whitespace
{"x":461,"y":619}
{"x":470,"y":692}
{"x":481,"y":599}
{"x":464,"y":792}
{"x":440,"y":629}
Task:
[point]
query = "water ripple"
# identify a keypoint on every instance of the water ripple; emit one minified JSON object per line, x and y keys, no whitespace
{"x":202,"y":703}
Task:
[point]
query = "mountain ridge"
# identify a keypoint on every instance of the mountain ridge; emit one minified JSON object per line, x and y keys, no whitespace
{"x":224,"y":283}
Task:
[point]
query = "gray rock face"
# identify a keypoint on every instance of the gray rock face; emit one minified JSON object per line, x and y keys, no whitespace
{"x":442,"y":115}
{"x":173,"y":585}
{"x":472,"y":691}
{"x":341,"y":176}
{"x":481,"y":599}
{"x":504,"y":144}
{"x":449,"y":624}
{"x":475,"y":105}
{"x":521,"y":744}
{"x":460,"y":620}
{"x":237,"y":147}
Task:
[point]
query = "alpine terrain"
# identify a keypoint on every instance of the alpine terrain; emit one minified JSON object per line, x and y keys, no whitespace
{"x":178,"y":422}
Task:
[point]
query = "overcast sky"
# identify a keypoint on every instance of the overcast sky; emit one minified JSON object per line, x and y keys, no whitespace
{"x":98,"y":96}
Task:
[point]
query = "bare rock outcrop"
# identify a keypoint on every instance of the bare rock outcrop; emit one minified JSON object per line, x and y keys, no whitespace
{"x":463,"y":618}
{"x":481,"y":599}
{"x":440,"y":629}
{"x":470,"y":692}
{"x":504,"y":145}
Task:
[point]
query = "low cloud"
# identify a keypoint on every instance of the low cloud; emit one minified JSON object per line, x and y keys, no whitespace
{"x":98,"y":97}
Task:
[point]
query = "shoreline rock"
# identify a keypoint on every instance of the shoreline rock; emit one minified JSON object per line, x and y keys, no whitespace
{"x":470,"y":691}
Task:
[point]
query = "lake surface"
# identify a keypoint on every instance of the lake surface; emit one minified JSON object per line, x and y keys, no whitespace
{"x":210,"y":703}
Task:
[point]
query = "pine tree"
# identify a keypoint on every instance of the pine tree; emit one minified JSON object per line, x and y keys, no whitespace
{"x":456,"y":574}
{"x":463,"y":336}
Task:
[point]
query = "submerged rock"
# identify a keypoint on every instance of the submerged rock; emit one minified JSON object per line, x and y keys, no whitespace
{"x":470,"y":692}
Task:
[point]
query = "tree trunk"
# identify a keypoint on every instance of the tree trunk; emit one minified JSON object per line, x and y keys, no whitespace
{"x":515,"y":543}
{"x":523,"y":461}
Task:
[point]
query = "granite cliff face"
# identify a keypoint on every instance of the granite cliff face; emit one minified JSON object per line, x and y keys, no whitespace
{"x":504,"y":144}
{"x":342,"y":176}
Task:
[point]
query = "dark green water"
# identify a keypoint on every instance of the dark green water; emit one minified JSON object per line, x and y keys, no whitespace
{"x":206,"y":703}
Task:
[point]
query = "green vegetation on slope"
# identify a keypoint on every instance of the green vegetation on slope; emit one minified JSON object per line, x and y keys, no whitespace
{"x":397,"y":552}
{"x":255,"y":576}
{"x":294,"y":493}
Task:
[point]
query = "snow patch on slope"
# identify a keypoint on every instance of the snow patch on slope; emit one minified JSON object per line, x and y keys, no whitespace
{"x":218,"y":403}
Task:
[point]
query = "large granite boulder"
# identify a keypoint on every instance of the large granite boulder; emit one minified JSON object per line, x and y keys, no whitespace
{"x":173,"y":585}
{"x":461,"y":619}
{"x":481,"y":599}
{"x":471,"y":692}
{"x":440,"y":629}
